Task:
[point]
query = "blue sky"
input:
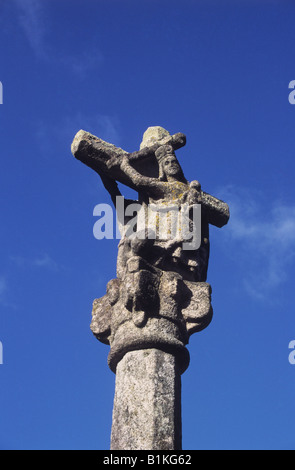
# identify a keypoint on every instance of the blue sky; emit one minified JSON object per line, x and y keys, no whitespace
{"x":217,"y":71}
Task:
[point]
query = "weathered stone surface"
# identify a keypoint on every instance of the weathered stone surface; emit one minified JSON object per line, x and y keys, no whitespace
{"x":160,"y":296}
{"x":150,"y":309}
{"x":106,"y":160}
{"x":153,"y":135}
{"x":198,"y":311}
{"x":147,"y":403}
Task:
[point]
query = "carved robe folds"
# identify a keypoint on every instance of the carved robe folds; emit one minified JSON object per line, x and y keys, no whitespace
{"x":150,"y":308}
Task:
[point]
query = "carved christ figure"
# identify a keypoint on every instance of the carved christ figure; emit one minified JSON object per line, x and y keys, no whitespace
{"x":155,"y":173}
{"x":172,"y":188}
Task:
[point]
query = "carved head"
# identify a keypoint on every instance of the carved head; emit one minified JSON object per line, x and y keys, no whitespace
{"x":168,"y":164}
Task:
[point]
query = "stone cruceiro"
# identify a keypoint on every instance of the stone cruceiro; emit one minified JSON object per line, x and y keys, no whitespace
{"x":160,"y":295}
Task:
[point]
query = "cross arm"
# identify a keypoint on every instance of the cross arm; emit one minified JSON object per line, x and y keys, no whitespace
{"x":106,"y":159}
{"x":217,"y":211}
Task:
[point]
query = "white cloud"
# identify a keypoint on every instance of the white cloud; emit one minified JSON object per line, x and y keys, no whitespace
{"x":3,"y":293}
{"x":104,"y":126}
{"x":42,"y":261}
{"x":262,"y":233}
{"x":63,"y":131}
{"x":45,"y":261}
{"x":3,"y":286}
{"x":34,"y":19}
{"x":80,"y":63}
{"x":31,"y":18}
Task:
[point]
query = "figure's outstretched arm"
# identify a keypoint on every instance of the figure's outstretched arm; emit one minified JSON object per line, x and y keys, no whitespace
{"x":111,"y":186}
{"x":151,"y":186}
{"x":139,"y":181}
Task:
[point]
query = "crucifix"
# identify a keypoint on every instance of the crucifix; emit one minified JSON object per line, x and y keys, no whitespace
{"x":159,"y":296}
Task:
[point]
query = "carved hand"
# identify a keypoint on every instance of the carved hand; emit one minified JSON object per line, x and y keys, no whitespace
{"x":113,"y":161}
{"x":124,"y":162}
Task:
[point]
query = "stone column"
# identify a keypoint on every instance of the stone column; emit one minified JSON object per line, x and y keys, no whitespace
{"x":147,"y":404}
{"x":148,"y":353}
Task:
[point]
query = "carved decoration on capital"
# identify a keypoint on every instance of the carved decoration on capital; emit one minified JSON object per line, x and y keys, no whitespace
{"x":150,"y":308}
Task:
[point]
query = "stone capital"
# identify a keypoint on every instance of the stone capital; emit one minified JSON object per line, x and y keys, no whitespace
{"x":147,"y":310}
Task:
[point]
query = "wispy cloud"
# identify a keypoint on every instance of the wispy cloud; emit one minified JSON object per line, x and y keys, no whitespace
{"x":106,"y":127}
{"x":3,"y":286}
{"x":34,"y":19}
{"x":4,"y":294}
{"x":262,"y":232}
{"x":43,"y":261}
{"x":31,"y":18}
{"x":80,"y":63}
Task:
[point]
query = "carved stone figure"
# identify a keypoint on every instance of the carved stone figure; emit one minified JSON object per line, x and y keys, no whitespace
{"x":160,"y":295}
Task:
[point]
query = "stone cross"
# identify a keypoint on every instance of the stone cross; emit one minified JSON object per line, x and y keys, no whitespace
{"x":160,"y":296}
